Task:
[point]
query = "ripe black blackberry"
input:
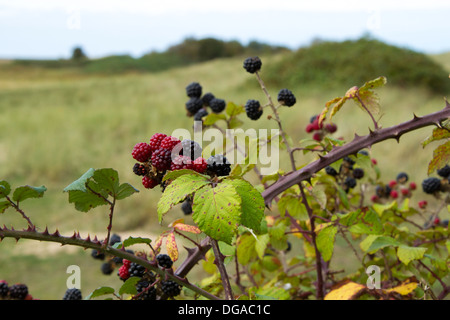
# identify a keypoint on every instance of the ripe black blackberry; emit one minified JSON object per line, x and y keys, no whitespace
{"x":200,"y":114}
{"x":349,"y":161}
{"x":136,"y":270}
{"x":161,"y":159}
{"x":358,"y":173}
{"x":252,"y":64}
{"x":194,"y":105}
{"x":186,"y":207}
{"x":164,"y":261}
{"x":207,"y":97}
{"x":194,"y":90}
{"x":145,"y":293}
{"x":217,"y":105}
{"x":139,"y":169}
{"x":402,"y":178}
{"x":4,"y":289}
{"x":444,"y":172}
{"x":191,"y":149}
{"x":383,"y":191}
{"x":72,"y":294}
{"x":218,"y":165}
{"x":286,"y":98}
{"x":170,"y":288}
{"x":115,"y":238}
{"x":97,"y":255}
{"x":431,"y":185}
{"x":107,"y":268}
{"x":350,"y":182}
{"x":331,"y":171}
{"x":253,"y":109}
{"x":18,"y":291}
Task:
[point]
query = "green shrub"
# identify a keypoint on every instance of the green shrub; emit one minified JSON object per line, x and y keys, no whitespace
{"x":346,"y":63}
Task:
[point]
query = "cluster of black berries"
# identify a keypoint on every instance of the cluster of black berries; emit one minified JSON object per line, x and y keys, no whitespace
{"x":347,"y":175}
{"x":197,"y":105}
{"x":434,"y":185}
{"x":319,"y":130}
{"x":109,"y":262}
{"x":163,"y":153}
{"x":253,"y":108}
{"x":18,"y":291}
{"x":394,"y":189}
{"x":148,"y":288}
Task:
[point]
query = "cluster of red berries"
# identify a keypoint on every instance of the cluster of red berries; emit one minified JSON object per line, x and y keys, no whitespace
{"x":394,"y":189}
{"x":163,"y":153}
{"x":18,"y":291}
{"x":320,"y":130}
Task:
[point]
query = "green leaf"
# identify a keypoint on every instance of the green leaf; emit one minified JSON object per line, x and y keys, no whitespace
{"x":381,"y":208}
{"x":80,"y":183}
{"x":252,"y":203}
{"x":374,"y":243}
{"x":212,"y":118}
{"x":368,"y":223}
{"x":261,"y":244}
{"x":325,"y":241}
{"x":233,"y":109}
{"x":27,"y":192}
{"x":100,"y":292}
{"x":406,"y":254}
{"x":131,"y":241}
{"x":129,"y":286}
{"x":5,"y":189}
{"x":375,"y":83}
{"x":178,"y":190}
{"x":4,"y":205}
{"x":172,"y":175}
{"x":125,"y":190}
{"x":108,"y":180}
{"x":441,"y":156}
{"x":246,"y":248}
{"x":85,"y":201}
{"x":217,"y":211}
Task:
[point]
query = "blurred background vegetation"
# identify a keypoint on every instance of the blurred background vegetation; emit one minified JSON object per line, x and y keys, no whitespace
{"x":61,"y":117}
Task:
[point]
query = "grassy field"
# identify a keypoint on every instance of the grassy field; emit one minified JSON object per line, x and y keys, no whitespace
{"x":56,"y":124}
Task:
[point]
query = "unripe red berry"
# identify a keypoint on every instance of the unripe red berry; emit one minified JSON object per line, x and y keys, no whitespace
{"x":394,"y":194}
{"x":331,"y":127}
{"x":422,"y":204}
{"x":317,"y":136}
{"x":392,"y":183}
{"x":412,"y":186}
{"x":309,"y":128}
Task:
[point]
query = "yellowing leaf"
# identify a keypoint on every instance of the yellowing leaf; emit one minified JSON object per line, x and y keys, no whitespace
{"x":441,"y":156}
{"x":171,"y":247}
{"x":187,"y":228}
{"x":348,"y":291}
{"x":405,"y":288}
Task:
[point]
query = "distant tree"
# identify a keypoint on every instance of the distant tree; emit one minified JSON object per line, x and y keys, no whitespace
{"x":78,"y":54}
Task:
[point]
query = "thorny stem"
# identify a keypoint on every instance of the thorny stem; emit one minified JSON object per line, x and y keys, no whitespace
{"x":75,"y":240}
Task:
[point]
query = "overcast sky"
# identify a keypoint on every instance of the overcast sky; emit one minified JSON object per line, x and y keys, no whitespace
{"x":51,"y":28}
